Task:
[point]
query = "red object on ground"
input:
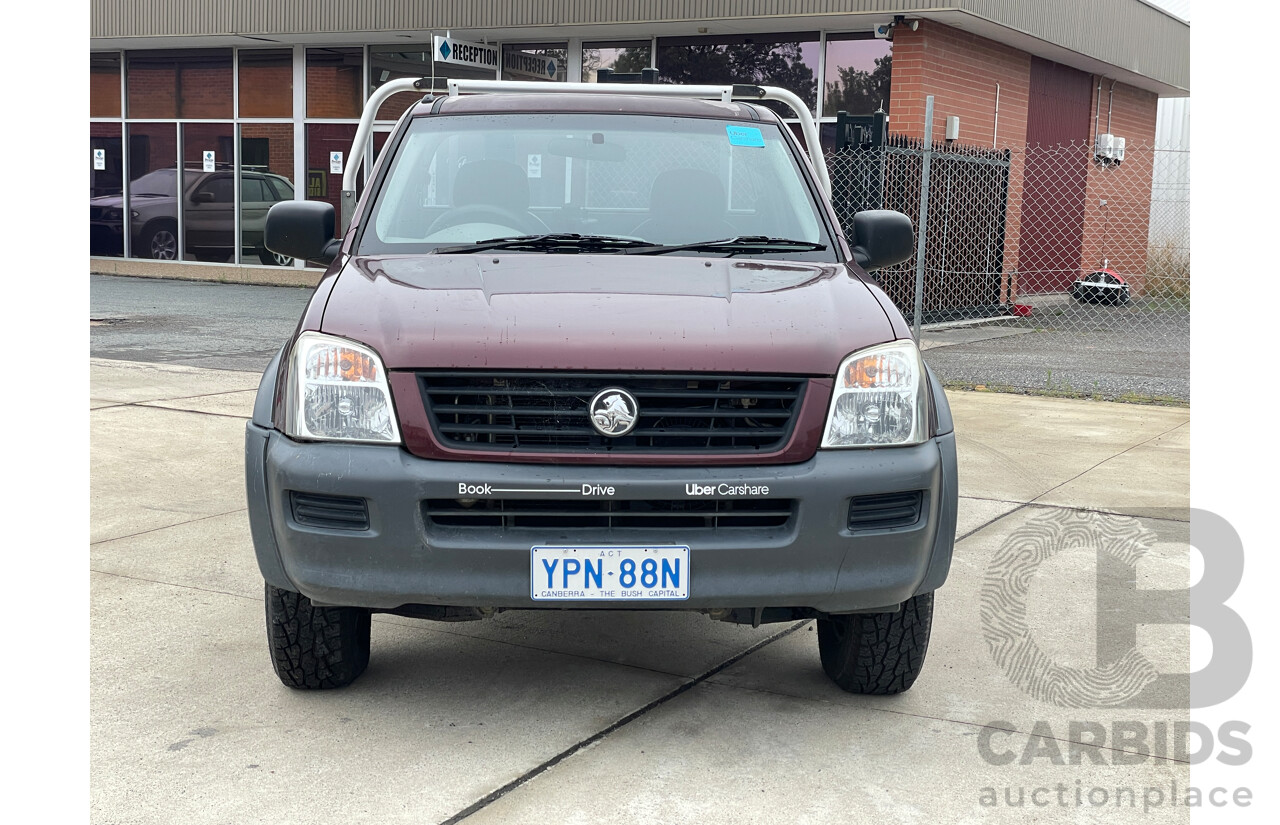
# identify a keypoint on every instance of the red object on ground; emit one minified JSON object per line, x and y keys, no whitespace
{"x":1022,"y":310}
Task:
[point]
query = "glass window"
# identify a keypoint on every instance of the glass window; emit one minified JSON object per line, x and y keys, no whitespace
{"x":626,"y":57}
{"x":323,"y":184}
{"x":658,"y":179}
{"x":394,"y":62}
{"x":535,"y":61}
{"x":857,"y":74}
{"x":191,"y":83}
{"x":153,"y":204}
{"x":266,"y":169}
{"x":104,"y":84}
{"x":106,"y":189}
{"x":266,"y":83}
{"x":282,"y":188}
{"x":767,"y":60}
{"x":253,"y":189}
{"x":208,"y":205}
{"x":335,"y":78}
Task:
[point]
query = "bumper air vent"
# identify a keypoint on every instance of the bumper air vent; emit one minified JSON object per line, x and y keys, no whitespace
{"x":884,"y":512}
{"x":329,"y":512}
{"x":609,"y":514}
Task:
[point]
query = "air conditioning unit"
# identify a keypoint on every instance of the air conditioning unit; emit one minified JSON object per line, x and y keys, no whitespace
{"x":1105,"y":147}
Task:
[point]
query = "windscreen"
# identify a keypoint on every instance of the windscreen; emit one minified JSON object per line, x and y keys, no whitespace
{"x":664,"y":180}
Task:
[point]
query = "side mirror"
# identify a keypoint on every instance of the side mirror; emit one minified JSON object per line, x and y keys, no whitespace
{"x":302,"y":229}
{"x":882,"y":237}
{"x":202,"y":197}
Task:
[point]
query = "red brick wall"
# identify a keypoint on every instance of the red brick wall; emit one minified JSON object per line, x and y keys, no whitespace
{"x":961,"y":71}
{"x":104,"y":93}
{"x":1117,"y":231}
{"x":179,"y":91}
{"x":334,"y":91}
{"x":279,"y":145}
{"x":266,"y":91}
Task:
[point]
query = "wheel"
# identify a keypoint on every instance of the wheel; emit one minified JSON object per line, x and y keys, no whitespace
{"x":315,"y":648}
{"x":160,"y":242}
{"x":273,"y":258}
{"x":877,"y":653}
{"x":525,"y":222}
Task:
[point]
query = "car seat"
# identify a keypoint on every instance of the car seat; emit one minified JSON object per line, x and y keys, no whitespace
{"x":686,"y":206}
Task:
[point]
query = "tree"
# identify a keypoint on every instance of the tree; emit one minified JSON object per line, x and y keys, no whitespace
{"x":859,"y":92}
{"x":769,"y":64}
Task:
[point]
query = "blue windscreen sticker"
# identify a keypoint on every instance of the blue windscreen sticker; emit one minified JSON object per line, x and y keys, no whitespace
{"x":744,"y":136}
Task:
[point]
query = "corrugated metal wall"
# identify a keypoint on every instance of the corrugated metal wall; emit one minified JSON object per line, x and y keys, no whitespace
{"x":1124,"y":33}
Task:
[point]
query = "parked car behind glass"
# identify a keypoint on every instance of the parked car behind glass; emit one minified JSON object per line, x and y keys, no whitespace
{"x":209,"y":212}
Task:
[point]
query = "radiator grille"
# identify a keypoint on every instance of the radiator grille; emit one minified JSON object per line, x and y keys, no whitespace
{"x":682,"y":514}
{"x":548,"y":412}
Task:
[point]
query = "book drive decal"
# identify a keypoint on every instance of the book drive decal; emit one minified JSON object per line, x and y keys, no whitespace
{"x":693,"y":489}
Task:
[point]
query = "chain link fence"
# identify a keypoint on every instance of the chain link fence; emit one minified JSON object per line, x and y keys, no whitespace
{"x":1047,"y":269}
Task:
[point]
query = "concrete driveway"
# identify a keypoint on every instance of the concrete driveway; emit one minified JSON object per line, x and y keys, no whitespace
{"x":552,"y":717}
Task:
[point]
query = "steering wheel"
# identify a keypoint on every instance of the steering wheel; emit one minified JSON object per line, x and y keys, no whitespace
{"x":525,"y":222}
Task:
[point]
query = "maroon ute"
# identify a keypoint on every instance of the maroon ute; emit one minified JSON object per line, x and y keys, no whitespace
{"x":599,"y":351}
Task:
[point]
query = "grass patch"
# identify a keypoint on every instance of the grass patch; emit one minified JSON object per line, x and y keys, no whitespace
{"x":1168,"y":279}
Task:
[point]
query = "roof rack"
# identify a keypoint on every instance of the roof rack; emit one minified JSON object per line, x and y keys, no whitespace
{"x":454,"y":87}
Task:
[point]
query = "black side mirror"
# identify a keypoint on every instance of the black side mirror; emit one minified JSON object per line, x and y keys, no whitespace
{"x":202,"y":197}
{"x":302,"y":229}
{"x":882,"y":237}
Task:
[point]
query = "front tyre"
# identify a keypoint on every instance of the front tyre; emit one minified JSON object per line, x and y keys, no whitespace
{"x":877,"y":653}
{"x":315,"y":648}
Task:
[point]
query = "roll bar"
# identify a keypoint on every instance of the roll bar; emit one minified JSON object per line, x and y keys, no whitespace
{"x":455,"y":87}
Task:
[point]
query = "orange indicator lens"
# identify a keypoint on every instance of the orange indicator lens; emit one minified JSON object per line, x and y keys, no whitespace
{"x":874,"y":371}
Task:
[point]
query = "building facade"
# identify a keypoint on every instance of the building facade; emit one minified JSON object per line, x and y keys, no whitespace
{"x":195,"y":131}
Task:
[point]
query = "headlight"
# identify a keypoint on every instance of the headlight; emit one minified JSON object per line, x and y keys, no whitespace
{"x":878,"y":399}
{"x":338,"y":392}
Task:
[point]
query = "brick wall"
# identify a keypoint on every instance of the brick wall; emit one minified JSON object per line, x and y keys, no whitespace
{"x":266,"y":91}
{"x":104,"y":93}
{"x":961,"y":71}
{"x":1116,"y":231}
{"x":179,"y":91}
{"x":334,"y":91}
{"x":279,"y":145}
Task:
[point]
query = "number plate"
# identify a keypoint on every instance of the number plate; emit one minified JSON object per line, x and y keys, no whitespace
{"x":610,"y":573}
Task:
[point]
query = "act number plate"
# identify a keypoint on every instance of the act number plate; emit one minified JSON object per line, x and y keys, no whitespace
{"x":610,"y":573}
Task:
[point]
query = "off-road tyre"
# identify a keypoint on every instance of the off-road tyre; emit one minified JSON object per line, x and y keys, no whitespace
{"x":877,"y":653}
{"x":315,"y":648}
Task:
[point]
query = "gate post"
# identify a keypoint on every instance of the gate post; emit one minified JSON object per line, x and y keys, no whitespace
{"x":921,"y":246}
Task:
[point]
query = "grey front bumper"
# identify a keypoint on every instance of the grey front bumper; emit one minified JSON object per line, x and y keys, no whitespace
{"x":814,"y":562}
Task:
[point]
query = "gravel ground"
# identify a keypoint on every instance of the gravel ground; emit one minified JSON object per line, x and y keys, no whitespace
{"x":1114,"y":352}
{"x":222,"y":326}
{"x":1129,"y":352}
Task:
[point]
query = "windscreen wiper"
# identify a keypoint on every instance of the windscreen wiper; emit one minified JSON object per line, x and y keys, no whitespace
{"x":743,"y":243}
{"x":552,"y":242}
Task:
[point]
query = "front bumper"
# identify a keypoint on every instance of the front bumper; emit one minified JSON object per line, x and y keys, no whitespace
{"x":404,"y":558}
